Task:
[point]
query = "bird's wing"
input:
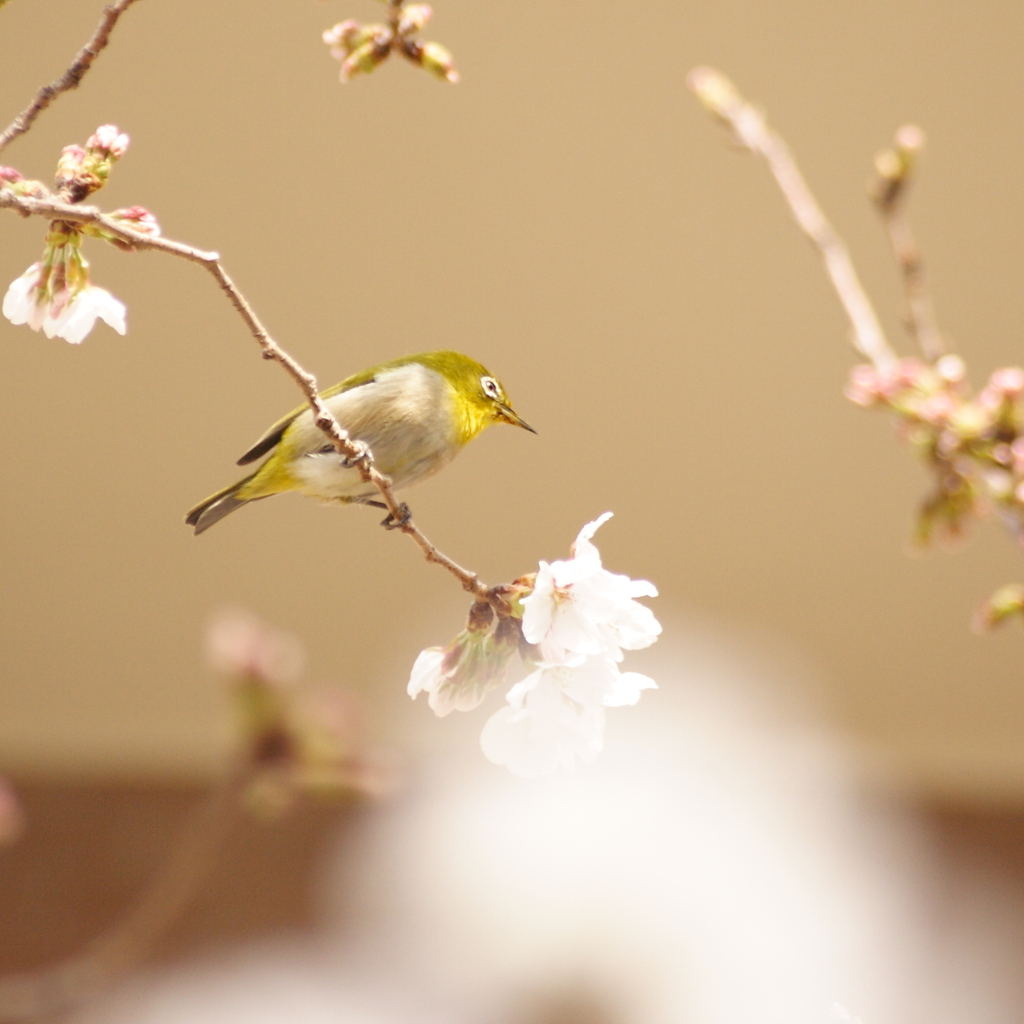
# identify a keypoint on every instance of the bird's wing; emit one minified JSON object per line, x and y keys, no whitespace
{"x":271,"y":438}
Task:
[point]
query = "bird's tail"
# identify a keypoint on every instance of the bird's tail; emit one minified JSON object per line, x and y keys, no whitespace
{"x":218,"y":505}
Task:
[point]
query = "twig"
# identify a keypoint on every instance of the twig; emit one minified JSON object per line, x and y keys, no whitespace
{"x":58,"y":989}
{"x":70,"y":79}
{"x":324,"y":419}
{"x":747,"y":123}
{"x":893,"y":170}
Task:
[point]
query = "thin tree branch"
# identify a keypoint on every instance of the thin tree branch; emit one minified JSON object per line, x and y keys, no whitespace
{"x":354,"y":452}
{"x":58,"y":989}
{"x":889,"y":189}
{"x":70,"y":79}
{"x":751,"y":130}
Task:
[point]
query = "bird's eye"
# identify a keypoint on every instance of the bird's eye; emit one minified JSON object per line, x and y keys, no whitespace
{"x":492,"y":389}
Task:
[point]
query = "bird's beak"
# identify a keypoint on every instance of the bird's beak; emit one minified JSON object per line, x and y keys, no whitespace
{"x":508,"y":415}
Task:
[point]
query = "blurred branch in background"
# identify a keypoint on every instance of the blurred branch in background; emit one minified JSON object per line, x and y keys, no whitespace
{"x":292,"y":749}
{"x":973,"y":444}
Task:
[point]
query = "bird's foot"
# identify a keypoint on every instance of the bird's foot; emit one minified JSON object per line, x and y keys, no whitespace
{"x":350,"y":461}
{"x":389,"y":522}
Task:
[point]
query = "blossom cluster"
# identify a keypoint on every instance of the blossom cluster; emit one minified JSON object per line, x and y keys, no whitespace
{"x":295,"y":744}
{"x":55,"y":294}
{"x":973,"y":443}
{"x":361,"y":48}
{"x":570,"y":623}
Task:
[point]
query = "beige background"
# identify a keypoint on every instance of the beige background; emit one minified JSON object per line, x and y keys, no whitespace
{"x":569,"y":217}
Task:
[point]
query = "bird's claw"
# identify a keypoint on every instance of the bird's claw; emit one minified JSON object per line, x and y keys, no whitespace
{"x":362,"y":451}
{"x":389,"y":522}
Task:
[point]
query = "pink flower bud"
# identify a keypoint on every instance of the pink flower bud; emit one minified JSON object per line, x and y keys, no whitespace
{"x":1005,"y":602}
{"x":910,"y":139}
{"x":863,"y":386}
{"x":365,"y":58}
{"x":1009,"y":381}
{"x":910,"y":373}
{"x":10,"y":174}
{"x":139,"y":219}
{"x":937,"y":409}
{"x":342,"y":34}
{"x":71,"y":159}
{"x":951,"y":369}
{"x":439,"y":62}
{"x":414,"y":18}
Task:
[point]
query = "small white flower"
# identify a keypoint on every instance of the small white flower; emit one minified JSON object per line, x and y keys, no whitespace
{"x":80,"y":314}
{"x":556,"y":714}
{"x":578,"y":607}
{"x":60,"y":317}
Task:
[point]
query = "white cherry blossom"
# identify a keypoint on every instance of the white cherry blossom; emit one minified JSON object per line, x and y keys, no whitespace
{"x":578,"y":607}
{"x":556,"y":714}
{"x":71,"y":318}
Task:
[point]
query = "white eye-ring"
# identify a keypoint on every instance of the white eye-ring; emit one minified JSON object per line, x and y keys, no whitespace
{"x":492,"y":389}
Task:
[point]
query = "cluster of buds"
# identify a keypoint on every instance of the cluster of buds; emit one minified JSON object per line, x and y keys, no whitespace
{"x":80,"y":172}
{"x":570,"y":623}
{"x":971,"y":442}
{"x":361,"y":48}
{"x":459,"y":676}
{"x":55,"y":294}
{"x":294,"y":745}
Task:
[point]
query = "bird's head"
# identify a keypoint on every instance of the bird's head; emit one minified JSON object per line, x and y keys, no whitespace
{"x":478,"y":397}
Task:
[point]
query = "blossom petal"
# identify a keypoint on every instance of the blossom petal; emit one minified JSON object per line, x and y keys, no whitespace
{"x":80,"y":314}
{"x":19,"y":305}
{"x":627,"y":689}
{"x":539,"y":606}
{"x":426,"y":672}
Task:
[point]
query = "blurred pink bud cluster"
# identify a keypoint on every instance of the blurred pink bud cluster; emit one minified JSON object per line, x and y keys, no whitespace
{"x":295,"y":745}
{"x":971,"y":441}
{"x":361,"y":48}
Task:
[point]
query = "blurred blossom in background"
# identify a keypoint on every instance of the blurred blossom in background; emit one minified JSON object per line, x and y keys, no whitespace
{"x":724,"y":861}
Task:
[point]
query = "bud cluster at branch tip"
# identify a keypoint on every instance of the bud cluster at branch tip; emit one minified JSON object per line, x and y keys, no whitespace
{"x":55,"y":294}
{"x":972,"y":443}
{"x":362,"y":48}
{"x":295,"y":745}
{"x":570,"y":623}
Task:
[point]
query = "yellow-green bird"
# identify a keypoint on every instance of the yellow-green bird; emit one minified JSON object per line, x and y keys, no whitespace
{"x":414,"y":414}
